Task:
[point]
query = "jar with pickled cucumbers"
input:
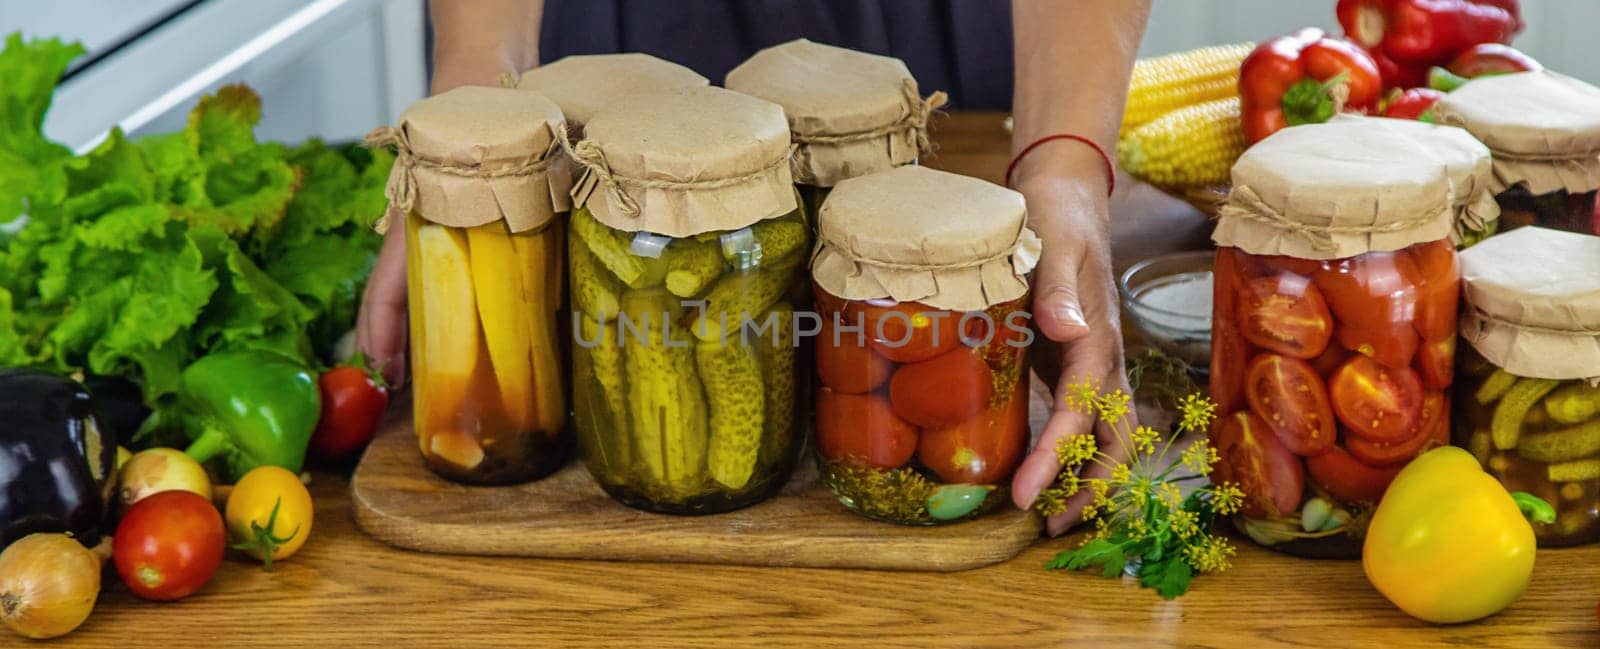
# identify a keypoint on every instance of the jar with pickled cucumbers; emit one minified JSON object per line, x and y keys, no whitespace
{"x":1544,"y":131}
{"x":485,"y":255}
{"x":583,"y":84}
{"x":1334,"y":327}
{"x":922,"y":398}
{"x":851,"y":113}
{"x":687,"y":257}
{"x":1528,"y":403}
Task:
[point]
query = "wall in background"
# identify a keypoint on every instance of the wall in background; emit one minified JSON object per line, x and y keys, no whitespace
{"x":1563,"y":34}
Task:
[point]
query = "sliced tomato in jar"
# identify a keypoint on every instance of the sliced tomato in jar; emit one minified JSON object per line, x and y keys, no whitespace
{"x":845,"y":362}
{"x":1271,"y":477}
{"x":1375,"y":402}
{"x":1383,"y":454}
{"x":1285,"y":314}
{"x":985,"y":448}
{"x":1289,"y":396}
{"x":1439,"y":295}
{"x":1347,"y":479}
{"x":1229,"y":350}
{"x":1436,"y":363}
{"x":1331,"y":359}
{"x":943,"y":391}
{"x":907,"y":332}
{"x":1394,"y":345}
{"x":1373,"y":291}
{"x":861,"y":430}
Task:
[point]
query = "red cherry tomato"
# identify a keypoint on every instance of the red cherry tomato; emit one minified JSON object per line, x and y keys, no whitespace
{"x":846,"y":363}
{"x":1285,"y":314}
{"x":1330,"y":360}
{"x":1348,"y":479}
{"x":906,"y":332}
{"x":861,"y":430}
{"x":1250,"y":456}
{"x":168,"y":545}
{"x":353,"y":403}
{"x":943,"y":391}
{"x":1289,"y":396}
{"x":1373,"y":291}
{"x":1393,"y":345}
{"x":985,"y":448}
{"x":1285,"y":264}
{"x":1440,"y":293}
{"x":1229,"y":351}
{"x":1436,"y":364}
{"x":1434,"y":409}
{"x":1381,"y":404}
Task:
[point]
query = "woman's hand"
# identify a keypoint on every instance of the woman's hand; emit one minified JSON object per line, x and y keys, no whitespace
{"x":1074,"y":305}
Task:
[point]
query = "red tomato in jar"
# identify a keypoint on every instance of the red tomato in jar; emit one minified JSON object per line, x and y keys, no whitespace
{"x":1393,"y":346}
{"x":1347,"y":479}
{"x":1289,"y":396}
{"x":985,"y":448}
{"x":1440,"y":293}
{"x":846,"y":363}
{"x":1229,"y":351}
{"x":353,"y":403}
{"x":1379,"y":403}
{"x":168,"y":545}
{"x":1330,"y":360}
{"x":1285,"y":264}
{"x":1285,"y":314}
{"x":907,"y":332}
{"x":1374,"y":291}
{"x":1271,"y":477}
{"x":861,"y":430}
{"x":1435,"y":410}
{"x":943,"y":391}
{"x":1436,"y":364}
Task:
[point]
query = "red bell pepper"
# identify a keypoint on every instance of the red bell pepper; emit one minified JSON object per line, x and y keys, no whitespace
{"x":1304,"y":78}
{"x":1412,"y":104}
{"x":1399,"y":75}
{"x":1480,"y":60}
{"x":1428,"y":32}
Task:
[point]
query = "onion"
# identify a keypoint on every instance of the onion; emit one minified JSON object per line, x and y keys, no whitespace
{"x":48,"y":584}
{"x":156,"y":470}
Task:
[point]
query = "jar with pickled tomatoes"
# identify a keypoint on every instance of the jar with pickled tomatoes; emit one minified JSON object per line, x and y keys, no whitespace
{"x":484,"y":221}
{"x":922,"y":394}
{"x":1544,"y":131}
{"x":1528,"y":403}
{"x":1334,"y":332}
{"x":851,"y":113}
{"x":687,"y":262}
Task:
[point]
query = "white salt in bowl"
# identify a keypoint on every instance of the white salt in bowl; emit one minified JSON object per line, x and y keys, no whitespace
{"x":1169,"y":299}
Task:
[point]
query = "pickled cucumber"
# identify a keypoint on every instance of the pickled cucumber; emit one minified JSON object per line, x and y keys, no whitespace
{"x":539,"y":257}
{"x":691,"y":266}
{"x":1573,"y":404}
{"x":1495,"y":386}
{"x":777,"y":373}
{"x":1576,"y":471}
{"x":602,"y":357}
{"x":667,"y":410}
{"x":1562,"y":445}
{"x":744,"y":295}
{"x":777,"y":239}
{"x":1506,"y":426}
{"x":614,"y":250}
{"x":731,"y":374}
{"x":648,"y":306}
{"x":594,"y":291}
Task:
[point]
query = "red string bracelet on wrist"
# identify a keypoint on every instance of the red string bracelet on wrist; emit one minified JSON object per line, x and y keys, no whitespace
{"x":1111,"y":171}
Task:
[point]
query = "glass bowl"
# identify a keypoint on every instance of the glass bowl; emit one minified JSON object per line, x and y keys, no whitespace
{"x":1169,"y":299}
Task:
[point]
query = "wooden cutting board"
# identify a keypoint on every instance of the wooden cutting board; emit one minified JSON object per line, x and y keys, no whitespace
{"x":566,"y":516}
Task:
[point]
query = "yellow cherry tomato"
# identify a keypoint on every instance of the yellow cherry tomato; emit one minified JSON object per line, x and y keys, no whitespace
{"x":1447,"y":544}
{"x":269,"y":514}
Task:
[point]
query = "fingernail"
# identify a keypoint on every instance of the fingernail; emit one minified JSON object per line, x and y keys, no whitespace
{"x":1070,"y":314}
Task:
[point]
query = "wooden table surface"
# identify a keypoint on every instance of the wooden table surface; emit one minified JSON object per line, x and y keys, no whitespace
{"x":345,"y":589}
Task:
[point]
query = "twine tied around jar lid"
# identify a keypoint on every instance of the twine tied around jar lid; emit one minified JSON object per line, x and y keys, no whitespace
{"x":915,"y":122}
{"x":1245,"y":204}
{"x":593,"y":159}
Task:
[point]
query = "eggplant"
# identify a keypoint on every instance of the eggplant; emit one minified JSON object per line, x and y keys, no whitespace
{"x":57,"y":464}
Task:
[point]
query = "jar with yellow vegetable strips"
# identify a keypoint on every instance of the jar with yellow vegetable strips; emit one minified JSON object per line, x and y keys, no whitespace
{"x":1528,"y":402}
{"x":687,"y":251}
{"x":583,"y":84}
{"x":851,"y":113}
{"x":484,"y":243}
{"x":922,"y":398}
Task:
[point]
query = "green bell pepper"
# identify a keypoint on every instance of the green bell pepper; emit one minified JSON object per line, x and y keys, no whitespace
{"x":249,"y":408}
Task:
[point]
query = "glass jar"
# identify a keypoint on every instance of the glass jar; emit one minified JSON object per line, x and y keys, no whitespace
{"x":488,"y":380}
{"x":922,"y":391}
{"x":1334,"y":327}
{"x":1560,"y":209}
{"x":687,"y":258}
{"x":1528,"y":404}
{"x":485,"y":249}
{"x":683,"y":408}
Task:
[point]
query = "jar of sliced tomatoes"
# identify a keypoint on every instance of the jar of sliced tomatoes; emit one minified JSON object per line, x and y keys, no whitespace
{"x":1544,"y":131}
{"x":484,"y":221}
{"x":922,"y":398}
{"x":851,"y":113}
{"x":1334,"y":328}
{"x":1528,"y":404}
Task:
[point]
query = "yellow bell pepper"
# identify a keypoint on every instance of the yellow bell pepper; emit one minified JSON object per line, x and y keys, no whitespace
{"x":1447,"y":544}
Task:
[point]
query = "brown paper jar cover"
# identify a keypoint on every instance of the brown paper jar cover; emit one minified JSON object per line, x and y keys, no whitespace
{"x":474,"y":155}
{"x":1336,"y":190}
{"x":584,"y":84}
{"x":852,"y":113}
{"x":913,"y":234}
{"x":1543,"y":128}
{"x":1532,"y":302}
{"x":1468,"y":163}
{"x":685,"y":161}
